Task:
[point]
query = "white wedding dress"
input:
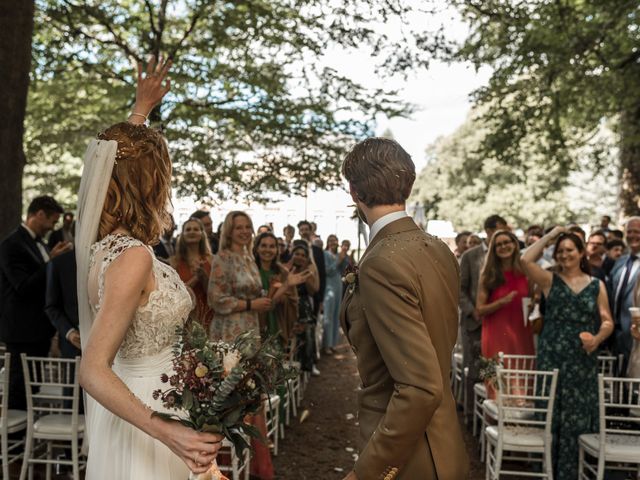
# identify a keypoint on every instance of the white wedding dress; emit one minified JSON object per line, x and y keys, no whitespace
{"x":117,"y":449}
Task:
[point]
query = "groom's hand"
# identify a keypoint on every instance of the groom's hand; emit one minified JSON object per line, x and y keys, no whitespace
{"x":351,"y":476}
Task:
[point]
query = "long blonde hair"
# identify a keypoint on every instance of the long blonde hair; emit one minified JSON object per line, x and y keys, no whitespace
{"x":139,"y":193}
{"x":227,"y":229}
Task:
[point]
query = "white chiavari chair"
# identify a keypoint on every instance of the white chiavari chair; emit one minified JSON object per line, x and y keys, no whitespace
{"x":53,"y":419}
{"x":617,"y":444}
{"x":525,"y":400}
{"x":11,"y":421}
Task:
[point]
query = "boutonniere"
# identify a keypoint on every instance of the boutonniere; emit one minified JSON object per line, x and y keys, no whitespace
{"x":350,"y":276}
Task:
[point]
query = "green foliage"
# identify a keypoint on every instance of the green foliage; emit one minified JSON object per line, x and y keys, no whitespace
{"x":460,"y":184}
{"x":560,"y":70}
{"x":252,"y":107}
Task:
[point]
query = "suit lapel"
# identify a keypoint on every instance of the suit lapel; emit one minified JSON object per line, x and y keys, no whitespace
{"x":30,"y":244}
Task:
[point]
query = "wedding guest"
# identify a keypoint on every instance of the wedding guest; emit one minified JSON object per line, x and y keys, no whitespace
{"x":335,"y":262}
{"x":289,"y":232}
{"x":534,"y":233}
{"x":615,"y":234}
{"x":470,"y":267}
{"x":165,"y":248}
{"x":64,"y":233}
{"x":305,"y":231}
{"x":633,"y":370}
{"x":615,"y":249}
{"x":306,"y":325}
{"x":577,"y":320}
{"x":501,"y":288}
{"x":461,"y":243}
{"x":282,"y":250}
{"x":605,"y":224}
{"x":192,"y":261}
{"x":61,"y":304}
{"x":596,"y":248}
{"x":214,"y":238}
{"x":473,"y":241}
{"x":237,"y":298}
{"x":263,"y":229}
{"x":623,"y":277}
{"x":579,"y":232}
{"x":24,"y":326}
{"x":281,"y":287}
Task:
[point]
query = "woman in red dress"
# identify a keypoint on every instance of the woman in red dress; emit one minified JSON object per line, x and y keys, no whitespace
{"x":501,"y":289}
{"x":192,"y":261}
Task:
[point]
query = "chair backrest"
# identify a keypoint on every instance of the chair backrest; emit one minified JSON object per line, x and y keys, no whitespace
{"x":607,"y":365}
{"x":5,"y":370}
{"x":510,"y":361}
{"x":52,"y":386}
{"x":619,"y":404}
{"x":525,"y":398}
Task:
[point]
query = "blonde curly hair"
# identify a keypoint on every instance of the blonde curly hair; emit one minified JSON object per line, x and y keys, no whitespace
{"x":139,"y":193}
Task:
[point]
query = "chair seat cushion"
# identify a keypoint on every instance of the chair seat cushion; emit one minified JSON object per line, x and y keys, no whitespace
{"x":16,"y":418}
{"x":518,"y":436}
{"x":490,"y":407}
{"x":57,"y":424}
{"x":618,"y":447}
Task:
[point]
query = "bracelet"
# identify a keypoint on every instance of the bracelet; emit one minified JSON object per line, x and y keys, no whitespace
{"x":248,"y":305}
{"x":132,"y":114}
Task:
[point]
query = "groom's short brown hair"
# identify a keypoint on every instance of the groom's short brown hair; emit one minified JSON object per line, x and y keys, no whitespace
{"x":379,"y":171}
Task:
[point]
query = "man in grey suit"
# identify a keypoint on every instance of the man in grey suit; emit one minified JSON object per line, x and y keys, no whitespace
{"x":622,"y":281}
{"x":470,"y":266}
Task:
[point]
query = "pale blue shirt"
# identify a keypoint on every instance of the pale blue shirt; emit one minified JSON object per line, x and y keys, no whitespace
{"x":384,"y":221}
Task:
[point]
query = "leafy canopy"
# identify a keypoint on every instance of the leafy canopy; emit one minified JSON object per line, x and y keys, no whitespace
{"x":253,"y":105}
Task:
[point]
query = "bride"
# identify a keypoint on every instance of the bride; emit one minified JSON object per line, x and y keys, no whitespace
{"x":130,"y":303}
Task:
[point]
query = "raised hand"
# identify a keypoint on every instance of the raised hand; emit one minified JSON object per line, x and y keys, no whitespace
{"x":152,"y":86}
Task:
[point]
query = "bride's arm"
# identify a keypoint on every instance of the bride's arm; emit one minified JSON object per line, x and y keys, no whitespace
{"x":128,"y":281}
{"x":151,"y":88}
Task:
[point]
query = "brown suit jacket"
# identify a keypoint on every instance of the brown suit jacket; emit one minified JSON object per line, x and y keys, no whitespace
{"x":470,"y":267}
{"x":401,"y":318}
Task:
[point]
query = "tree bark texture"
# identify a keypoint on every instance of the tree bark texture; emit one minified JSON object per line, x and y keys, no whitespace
{"x":630,"y":162}
{"x":16,"y":28}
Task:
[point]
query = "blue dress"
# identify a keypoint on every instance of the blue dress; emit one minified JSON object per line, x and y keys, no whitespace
{"x":332,"y":298}
{"x":559,"y":346}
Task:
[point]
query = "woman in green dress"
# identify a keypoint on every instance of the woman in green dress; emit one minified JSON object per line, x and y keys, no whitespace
{"x":280,"y":286}
{"x":577,"y":320}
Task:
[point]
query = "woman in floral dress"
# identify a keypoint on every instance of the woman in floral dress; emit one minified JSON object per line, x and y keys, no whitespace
{"x":577,"y":320}
{"x":237,"y":298}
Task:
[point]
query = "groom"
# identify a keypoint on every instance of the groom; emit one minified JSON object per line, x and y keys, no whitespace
{"x":400,"y":314}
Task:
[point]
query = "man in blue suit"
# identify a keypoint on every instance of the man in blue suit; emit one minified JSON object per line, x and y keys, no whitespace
{"x":622,"y":280}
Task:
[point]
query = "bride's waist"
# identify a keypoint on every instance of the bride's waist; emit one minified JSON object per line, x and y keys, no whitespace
{"x":145,"y":366}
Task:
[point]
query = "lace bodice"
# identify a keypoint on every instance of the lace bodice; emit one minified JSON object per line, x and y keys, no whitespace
{"x":154,"y":325}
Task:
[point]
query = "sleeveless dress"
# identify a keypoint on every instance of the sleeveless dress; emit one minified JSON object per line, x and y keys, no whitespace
{"x":117,"y":449}
{"x":504,"y":330}
{"x":559,"y":346}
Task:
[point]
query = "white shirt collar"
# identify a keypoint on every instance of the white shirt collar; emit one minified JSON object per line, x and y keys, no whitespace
{"x":384,"y":221}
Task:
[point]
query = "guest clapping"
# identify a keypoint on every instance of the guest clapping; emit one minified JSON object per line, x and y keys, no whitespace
{"x":335,"y":262}
{"x":192,"y":261}
{"x":281,"y":288}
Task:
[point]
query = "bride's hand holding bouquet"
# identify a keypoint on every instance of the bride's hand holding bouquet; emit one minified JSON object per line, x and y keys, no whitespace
{"x":215,"y":385}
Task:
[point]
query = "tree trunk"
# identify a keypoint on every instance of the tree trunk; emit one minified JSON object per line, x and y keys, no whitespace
{"x":16,"y":28}
{"x":630,"y":162}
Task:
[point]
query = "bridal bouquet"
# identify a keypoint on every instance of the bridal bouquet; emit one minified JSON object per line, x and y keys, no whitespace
{"x":218,"y":384}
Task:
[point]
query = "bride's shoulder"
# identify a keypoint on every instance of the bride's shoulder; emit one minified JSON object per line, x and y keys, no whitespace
{"x":115,"y":246}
